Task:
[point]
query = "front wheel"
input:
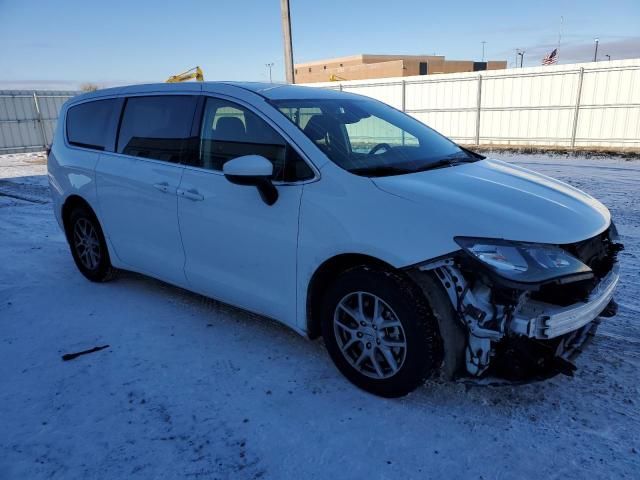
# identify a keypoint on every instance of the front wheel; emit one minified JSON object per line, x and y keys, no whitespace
{"x":380,"y":331}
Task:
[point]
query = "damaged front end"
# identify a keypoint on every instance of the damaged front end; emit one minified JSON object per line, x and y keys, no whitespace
{"x":525,"y":310}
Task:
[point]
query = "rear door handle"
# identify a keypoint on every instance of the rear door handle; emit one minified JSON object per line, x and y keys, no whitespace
{"x":163,"y":187}
{"x":190,"y":194}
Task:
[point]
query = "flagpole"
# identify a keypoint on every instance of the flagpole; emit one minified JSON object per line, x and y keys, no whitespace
{"x":560,"y":36}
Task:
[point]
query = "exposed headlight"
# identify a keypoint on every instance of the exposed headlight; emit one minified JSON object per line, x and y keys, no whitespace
{"x":523,"y":262}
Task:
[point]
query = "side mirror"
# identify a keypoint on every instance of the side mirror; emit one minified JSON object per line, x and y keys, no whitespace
{"x":252,"y":170}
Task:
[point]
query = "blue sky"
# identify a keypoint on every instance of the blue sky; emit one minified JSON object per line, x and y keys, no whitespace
{"x":59,"y":44}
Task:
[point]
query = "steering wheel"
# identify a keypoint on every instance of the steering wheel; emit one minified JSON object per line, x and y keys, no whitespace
{"x":379,"y":146}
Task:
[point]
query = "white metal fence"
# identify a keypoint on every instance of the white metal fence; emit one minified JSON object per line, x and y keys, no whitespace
{"x":28,"y":118}
{"x":580,"y":105}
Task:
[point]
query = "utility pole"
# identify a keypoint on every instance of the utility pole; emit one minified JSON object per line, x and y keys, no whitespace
{"x":288,"y":47}
{"x":269,"y":66}
{"x":483,"y":44}
{"x":595,"y":54}
{"x":515,"y":65}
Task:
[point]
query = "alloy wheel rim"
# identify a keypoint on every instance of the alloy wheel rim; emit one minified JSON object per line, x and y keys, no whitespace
{"x":369,"y":334}
{"x":87,"y":244}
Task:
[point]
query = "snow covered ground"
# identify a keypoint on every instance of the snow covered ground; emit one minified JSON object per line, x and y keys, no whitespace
{"x":190,"y":388}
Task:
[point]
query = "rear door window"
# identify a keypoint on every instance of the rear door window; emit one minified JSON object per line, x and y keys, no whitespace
{"x":157,"y":127}
{"x":89,"y":125}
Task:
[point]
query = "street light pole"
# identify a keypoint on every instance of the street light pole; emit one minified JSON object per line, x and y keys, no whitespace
{"x":595,"y":54}
{"x":483,"y":43}
{"x":521,"y":53}
{"x":269,"y":66}
{"x":288,"y":47}
{"x":608,"y":57}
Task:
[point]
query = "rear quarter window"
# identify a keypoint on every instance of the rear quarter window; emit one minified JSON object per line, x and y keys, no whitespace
{"x":89,"y":124}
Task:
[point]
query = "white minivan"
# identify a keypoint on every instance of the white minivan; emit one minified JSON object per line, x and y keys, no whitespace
{"x":340,"y":217}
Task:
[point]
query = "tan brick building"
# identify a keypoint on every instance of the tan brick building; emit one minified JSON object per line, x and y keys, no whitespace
{"x":366,"y":66}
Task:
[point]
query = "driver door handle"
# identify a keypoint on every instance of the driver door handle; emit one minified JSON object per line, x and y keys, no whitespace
{"x":190,"y":194}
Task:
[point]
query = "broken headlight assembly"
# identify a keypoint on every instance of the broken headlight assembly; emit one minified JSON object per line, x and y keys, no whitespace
{"x":524,"y":265}
{"x":525,"y":308}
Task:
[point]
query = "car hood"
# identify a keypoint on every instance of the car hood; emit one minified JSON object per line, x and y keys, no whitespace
{"x":495,"y":199}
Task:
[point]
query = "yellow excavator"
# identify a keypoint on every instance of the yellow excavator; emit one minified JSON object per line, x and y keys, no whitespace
{"x":193,"y":73}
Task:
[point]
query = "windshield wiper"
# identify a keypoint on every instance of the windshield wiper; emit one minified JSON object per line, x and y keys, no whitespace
{"x":471,"y":153}
{"x":461,"y":156}
{"x":444,"y":162}
{"x":388,"y":170}
{"x":449,"y":161}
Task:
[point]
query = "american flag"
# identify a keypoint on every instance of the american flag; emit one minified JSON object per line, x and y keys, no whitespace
{"x":551,"y":58}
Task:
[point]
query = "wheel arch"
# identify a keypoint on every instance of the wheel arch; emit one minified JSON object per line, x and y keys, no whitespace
{"x":70,"y":204}
{"x":322,"y":277}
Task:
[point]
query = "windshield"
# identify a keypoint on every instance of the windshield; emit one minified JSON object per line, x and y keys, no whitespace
{"x":369,"y":138}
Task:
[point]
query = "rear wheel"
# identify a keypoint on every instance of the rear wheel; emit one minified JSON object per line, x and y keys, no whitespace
{"x":88,"y":245}
{"x":380,"y":332}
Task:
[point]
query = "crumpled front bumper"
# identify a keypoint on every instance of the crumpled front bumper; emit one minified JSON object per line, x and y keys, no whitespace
{"x":540,"y":320}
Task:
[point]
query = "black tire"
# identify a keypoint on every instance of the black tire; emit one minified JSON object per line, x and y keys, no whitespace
{"x":97,"y":267}
{"x":419,"y":332}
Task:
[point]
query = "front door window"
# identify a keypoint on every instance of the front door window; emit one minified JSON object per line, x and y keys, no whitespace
{"x":230,"y":130}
